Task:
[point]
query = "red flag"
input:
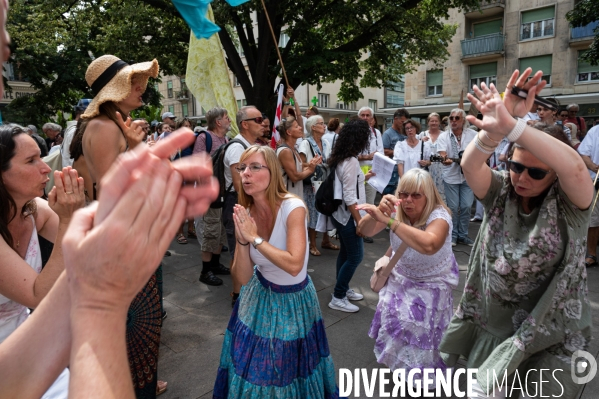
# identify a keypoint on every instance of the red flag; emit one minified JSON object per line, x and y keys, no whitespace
{"x":275,"y":133}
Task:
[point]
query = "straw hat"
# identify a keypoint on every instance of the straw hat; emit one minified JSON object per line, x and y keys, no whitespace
{"x":110,"y":79}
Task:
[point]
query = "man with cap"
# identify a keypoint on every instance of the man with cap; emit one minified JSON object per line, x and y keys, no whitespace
{"x":69,"y":132}
{"x":169,"y":119}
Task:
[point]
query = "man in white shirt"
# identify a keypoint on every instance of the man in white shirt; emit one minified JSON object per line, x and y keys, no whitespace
{"x":458,"y":193}
{"x":366,"y":157}
{"x":589,"y":151}
{"x":532,"y":115}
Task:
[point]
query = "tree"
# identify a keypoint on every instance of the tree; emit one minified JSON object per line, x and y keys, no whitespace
{"x":363,"y":43}
{"x":54,"y":41}
{"x":585,"y":12}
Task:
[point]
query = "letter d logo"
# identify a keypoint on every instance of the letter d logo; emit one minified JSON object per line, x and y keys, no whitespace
{"x":584,"y":367}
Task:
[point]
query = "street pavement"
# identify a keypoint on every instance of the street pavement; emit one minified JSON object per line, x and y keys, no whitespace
{"x":193,"y":332}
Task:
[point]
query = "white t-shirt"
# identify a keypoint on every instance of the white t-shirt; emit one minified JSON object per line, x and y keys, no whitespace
{"x":375,"y":145}
{"x":531,"y":116}
{"x":452,"y":174}
{"x":409,"y":156}
{"x":69,"y":133}
{"x":232,"y":156}
{"x":590,"y":147}
{"x":278,"y":239}
{"x":329,"y":136}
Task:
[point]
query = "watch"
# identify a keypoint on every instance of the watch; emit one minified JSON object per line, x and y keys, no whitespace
{"x":257,"y":241}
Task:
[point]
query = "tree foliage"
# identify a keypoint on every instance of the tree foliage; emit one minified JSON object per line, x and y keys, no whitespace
{"x":55,"y":40}
{"x":585,"y":12}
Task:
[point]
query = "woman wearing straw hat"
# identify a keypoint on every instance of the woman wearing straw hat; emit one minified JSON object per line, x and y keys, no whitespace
{"x":107,"y":131}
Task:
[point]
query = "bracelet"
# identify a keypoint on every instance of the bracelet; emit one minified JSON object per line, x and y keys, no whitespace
{"x":482,"y":147}
{"x":390,"y":222}
{"x":517,"y":130}
{"x":490,"y":139}
{"x":245,"y":245}
{"x":397,"y":223}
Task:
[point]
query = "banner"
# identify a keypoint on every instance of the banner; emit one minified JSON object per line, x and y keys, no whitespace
{"x":275,"y":133}
{"x":207,"y":75}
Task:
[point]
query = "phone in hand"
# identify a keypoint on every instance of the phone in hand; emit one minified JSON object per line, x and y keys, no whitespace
{"x":517,"y":91}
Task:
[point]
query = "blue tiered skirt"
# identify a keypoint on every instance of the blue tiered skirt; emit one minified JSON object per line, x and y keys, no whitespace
{"x":275,"y":345}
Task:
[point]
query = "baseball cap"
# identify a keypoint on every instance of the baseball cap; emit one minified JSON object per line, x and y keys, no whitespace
{"x":154,"y":123}
{"x":82,"y":105}
{"x":168,"y":115}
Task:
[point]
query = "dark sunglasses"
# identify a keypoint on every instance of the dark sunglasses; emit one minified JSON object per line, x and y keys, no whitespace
{"x":455,"y":118}
{"x":534,"y":173}
{"x":404,"y":195}
{"x":257,"y":119}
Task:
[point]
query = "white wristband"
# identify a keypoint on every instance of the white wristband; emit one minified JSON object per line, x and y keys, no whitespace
{"x":517,"y":130}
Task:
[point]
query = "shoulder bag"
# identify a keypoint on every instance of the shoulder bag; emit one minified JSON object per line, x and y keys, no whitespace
{"x":383,"y":268}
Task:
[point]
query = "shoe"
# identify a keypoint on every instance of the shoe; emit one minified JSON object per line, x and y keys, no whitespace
{"x":368,"y":240}
{"x":466,"y":241}
{"x":476,"y":220}
{"x":329,"y":245}
{"x":191,"y":234}
{"x":161,"y":387}
{"x":454,"y":242}
{"x":167,"y":253}
{"x":221,"y":269}
{"x":164,"y":315}
{"x":314,"y":252}
{"x":343,"y":305}
{"x":225,"y":248}
{"x":353,"y":295}
{"x":181,"y":239}
{"x":210,"y":279}
{"x":593,"y":261}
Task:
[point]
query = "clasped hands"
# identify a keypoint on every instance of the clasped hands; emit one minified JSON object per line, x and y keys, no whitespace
{"x":246,"y":229}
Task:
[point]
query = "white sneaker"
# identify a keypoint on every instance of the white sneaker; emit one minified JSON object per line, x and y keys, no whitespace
{"x":353,"y":295}
{"x":343,"y":305}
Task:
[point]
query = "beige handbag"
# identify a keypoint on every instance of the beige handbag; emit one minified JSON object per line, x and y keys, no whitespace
{"x":383,"y":268}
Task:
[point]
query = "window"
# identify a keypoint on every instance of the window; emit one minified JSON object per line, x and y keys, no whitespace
{"x":537,"y":23}
{"x":241,"y":103}
{"x":540,"y":63}
{"x":434,"y":83}
{"x":487,"y":28}
{"x":171,"y":109}
{"x":283,"y":40}
{"x":323,"y":100}
{"x":395,"y":99}
{"x":185,"y":110}
{"x":372,"y":104}
{"x":586,"y":72}
{"x":169,"y":89}
{"x":483,"y":73}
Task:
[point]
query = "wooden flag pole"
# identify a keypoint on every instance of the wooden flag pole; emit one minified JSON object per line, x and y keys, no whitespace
{"x":274,"y":39}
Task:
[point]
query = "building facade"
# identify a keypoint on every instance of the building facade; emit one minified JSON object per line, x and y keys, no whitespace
{"x":507,"y":35}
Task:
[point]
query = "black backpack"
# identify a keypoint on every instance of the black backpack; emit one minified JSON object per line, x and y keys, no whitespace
{"x":218,"y":171}
{"x":324,"y":200}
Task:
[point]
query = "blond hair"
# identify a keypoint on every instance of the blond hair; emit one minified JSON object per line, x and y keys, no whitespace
{"x":276,"y":191}
{"x":416,"y":181}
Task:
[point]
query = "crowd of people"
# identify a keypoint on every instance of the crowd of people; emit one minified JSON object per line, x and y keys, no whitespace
{"x":81,"y":312}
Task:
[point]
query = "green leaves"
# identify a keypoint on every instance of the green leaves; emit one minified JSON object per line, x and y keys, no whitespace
{"x":585,"y":12}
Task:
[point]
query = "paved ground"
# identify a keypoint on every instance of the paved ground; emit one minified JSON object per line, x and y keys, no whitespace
{"x":198,"y":314}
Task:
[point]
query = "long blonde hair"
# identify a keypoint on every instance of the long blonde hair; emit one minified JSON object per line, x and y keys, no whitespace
{"x":415,"y":181}
{"x":276,"y":191}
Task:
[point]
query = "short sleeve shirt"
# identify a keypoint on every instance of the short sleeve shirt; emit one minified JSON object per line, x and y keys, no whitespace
{"x":590,"y":147}
{"x":232,"y":156}
{"x":452,"y":174}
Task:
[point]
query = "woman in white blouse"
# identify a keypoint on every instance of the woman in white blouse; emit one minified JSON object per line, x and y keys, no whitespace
{"x":412,"y":152}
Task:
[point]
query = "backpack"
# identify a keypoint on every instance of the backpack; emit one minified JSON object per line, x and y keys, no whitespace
{"x":218,"y":170}
{"x":324,"y":200}
{"x":208,"y":140}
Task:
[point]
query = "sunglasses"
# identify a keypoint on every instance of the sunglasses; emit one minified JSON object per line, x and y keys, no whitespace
{"x":257,"y":119}
{"x":534,"y":173}
{"x":455,"y":118}
{"x":254,"y":167}
{"x":404,"y":195}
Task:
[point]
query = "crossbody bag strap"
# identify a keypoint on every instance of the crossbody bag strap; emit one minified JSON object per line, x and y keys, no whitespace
{"x":393,"y":261}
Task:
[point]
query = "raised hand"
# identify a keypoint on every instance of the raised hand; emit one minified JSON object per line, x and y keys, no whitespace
{"x":133,"y":130}
{"x":516,"y":105}
{"x":374,"y":212}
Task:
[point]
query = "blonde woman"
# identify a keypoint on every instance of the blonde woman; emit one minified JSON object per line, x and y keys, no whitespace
{"x":276,"y":323}
{"x":416,"y":304}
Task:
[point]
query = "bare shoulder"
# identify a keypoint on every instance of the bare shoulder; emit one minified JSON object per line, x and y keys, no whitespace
{"x":44,"y":213}
{"x":109,"y":131}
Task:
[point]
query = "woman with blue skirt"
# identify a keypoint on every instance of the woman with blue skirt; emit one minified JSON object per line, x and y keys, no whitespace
{"x":275,"y":344}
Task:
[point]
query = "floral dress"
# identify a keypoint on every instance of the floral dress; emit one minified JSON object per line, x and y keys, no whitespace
{"x":525,"y":303}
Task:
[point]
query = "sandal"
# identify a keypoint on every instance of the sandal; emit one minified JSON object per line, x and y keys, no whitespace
{"x":329,"y":245}
{"x":314,"y":251}
{"x":161,"y":387}
{"x":191,"y":234}
{"x":181,"y":239}
{"x":593,"y":258}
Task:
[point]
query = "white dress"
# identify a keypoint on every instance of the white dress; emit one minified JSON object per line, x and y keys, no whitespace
{"x":13,"y":314}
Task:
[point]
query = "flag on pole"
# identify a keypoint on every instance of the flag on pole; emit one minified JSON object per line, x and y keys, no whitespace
{"x":275,"y":133}
{"x":198,"y":16}
{"x":208,"y":76}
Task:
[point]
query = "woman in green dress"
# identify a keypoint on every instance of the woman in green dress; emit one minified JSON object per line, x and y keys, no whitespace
{"x":525,"y":305}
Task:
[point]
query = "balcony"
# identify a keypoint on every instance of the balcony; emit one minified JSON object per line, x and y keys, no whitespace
{"x":487,"y":8}
{"x":482,"y":48}
{"x":182,"y":95}
{"x":582,"y":36}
